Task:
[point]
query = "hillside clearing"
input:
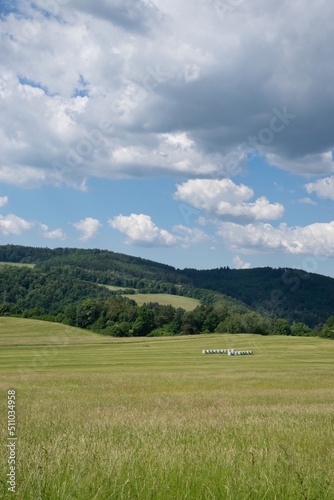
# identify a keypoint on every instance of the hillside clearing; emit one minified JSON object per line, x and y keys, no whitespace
{"x":17,"y":264}
{"x":113,"y":288}
{"x":165,"y":299}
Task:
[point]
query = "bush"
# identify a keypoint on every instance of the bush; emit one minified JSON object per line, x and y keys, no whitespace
{"x":162,"y":331}
{"x":300,"y":329}
{"x":281,"y":327}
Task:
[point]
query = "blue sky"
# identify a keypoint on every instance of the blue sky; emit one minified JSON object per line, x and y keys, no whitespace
{"x":124,"y":126}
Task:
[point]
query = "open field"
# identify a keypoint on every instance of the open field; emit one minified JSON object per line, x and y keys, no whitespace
{"x":165,"y":299}
{"x":16,"y":264}
{"x":153,"y":418}
{"x":112,"y":287}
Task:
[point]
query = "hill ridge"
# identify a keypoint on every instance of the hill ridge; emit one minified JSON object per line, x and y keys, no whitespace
{"x":289,"y":293}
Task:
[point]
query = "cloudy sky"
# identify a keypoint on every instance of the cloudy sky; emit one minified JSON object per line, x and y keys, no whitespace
{"x":197,"y":133}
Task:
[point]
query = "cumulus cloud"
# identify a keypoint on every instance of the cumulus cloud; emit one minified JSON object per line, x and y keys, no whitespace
{"x":12,"y":224}
{"x":55,"y":234}
{"x":225,"y":198}
{"x":3,"y":201}
{"x":188,"y":237}
{"x":324,"y":188}
{"x":88,"y":227}
{"x":177,"y":102}
{"x":240,"y":264}
{"x":141,"y":230}
{"x":316,"y":239}
{"x":26,"y":177}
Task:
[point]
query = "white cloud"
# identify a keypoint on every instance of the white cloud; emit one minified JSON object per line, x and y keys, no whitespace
{"x":55,"y":234}
{"x":316,"y":239}
{"x":3,"y":201}
{"x":307,"y":201}
{"x":26,"y":177}
{"x":207,"y":194}
{"x":88,"y":227}
{"x":240,"y":264}
{"x":141,"y":230}
{"x":11,"y":224}
{"x":225,"y":198}
{"x":188,"y":237}
{"x":180,"y":101}
{"x":181,"y":140}
{"x":324,"y":188}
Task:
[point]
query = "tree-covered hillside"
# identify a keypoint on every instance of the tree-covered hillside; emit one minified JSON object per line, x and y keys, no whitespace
{"x":293,"y":295}
{"x":287,"y":293}
{"x":59,"y":295}
{"x":100,"y":266}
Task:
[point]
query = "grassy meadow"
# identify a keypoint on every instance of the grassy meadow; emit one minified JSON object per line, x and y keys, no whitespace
{"x":154,"y":418}
{"x":164,"y":299}
{"x":16,"y":264}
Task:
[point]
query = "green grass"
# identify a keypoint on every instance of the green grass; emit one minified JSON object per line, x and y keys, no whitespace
{"x":17,"y":264}
{"x":113,"y":287}
{"x":154,"y":418}
{"x":165,"y":299}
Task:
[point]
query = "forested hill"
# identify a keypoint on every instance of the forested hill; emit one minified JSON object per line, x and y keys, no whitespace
{"x":101,"y":266}
{"x":286,"y":293}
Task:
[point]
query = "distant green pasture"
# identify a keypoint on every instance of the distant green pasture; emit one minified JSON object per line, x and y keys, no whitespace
{"x":16,"y":264}
{"x":113,"y":287}
{"x":165,"y":299}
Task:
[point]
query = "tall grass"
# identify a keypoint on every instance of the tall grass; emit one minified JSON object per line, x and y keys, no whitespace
{"x":156,"y":419}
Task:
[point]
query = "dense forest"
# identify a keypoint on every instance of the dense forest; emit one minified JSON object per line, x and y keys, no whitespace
{"x":287,"y":293}
{"x":66,"y":285}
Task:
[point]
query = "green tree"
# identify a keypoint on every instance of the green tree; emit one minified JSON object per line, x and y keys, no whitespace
{"x":176,"y":324}
{"x":87,"y":313}
{"x":144,"y":323}
{"x":328,"y":328}
{"x":211,"y":321}
{"x":232,"y":324}
{"x":300,"y":329}
{"x":281,"y":327}
{"x":120,"y":329}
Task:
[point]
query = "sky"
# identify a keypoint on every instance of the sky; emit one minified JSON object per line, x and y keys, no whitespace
{"x":197,"y":133}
